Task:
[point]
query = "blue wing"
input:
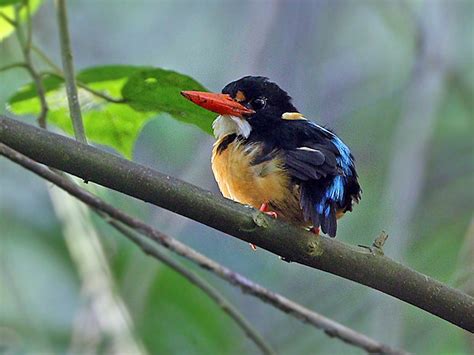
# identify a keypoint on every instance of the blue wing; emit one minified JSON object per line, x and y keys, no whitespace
{"x":324,"y":168}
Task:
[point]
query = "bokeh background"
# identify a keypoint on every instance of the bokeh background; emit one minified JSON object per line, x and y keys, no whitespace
{"x":395,"y":79}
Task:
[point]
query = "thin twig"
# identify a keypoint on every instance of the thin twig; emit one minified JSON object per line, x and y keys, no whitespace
{"x":13,"y":66}
{"x":29,"y":26}
{"x":68,"y":68}
{"x":44,"y":57}
{"x":100,"y":94}
{"x":59,"y":74}
{"x":87,"y":88}
{"x":330,"y":327}
{"x":8,"y":19}
{"x":25,"y":45}
{"x":153,"y":251}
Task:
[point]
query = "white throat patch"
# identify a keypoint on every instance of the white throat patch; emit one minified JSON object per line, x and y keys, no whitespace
{"x":224,"y":125}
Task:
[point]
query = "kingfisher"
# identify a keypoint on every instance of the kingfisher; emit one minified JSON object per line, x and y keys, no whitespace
{"x":269,"y":156}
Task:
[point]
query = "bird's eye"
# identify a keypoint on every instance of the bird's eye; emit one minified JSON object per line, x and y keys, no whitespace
{"x":259,"y":103}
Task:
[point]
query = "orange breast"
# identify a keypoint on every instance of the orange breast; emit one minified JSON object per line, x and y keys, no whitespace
{"x":267,"y":182}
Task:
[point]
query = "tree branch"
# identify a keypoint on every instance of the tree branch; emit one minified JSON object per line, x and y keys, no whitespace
{"x":57,"y":72}
{"x":11,"y":21}
{"x":13,"y":66}
{"x":295,"y":244}
{"x":68,"y":68}
{"x":153,"y":251}
{"x":48,"y":61}
{"x":25,"y":45}
{"x":330,"y":327}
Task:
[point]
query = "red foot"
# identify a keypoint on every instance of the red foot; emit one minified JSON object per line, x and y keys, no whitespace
{"x":264,"y":208}
{"x":314,"y":230}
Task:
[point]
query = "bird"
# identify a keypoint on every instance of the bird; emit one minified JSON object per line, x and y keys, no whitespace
{"x":270,"y":156}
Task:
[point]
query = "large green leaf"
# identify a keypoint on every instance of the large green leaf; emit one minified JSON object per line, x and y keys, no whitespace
{"x":9,"y":2}
{"x":147,"y":92}
{"x":7,"y":8}
{"x":181,"y":319}
{"x":159,"y":90}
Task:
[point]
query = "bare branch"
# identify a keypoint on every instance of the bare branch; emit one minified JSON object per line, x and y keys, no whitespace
{"x":29,"y":26}
{"x":57,"y":72}
{"x":88,"y":88}
{"x":44,"y":57}
{"x":330,"y":327}
{"x":293,"y":243}
{"x":25,"y":45}
{"x":8,"y":19}
{"x":68,"y":67}
{"x":13,"y":66}
{"x":153,"y":251}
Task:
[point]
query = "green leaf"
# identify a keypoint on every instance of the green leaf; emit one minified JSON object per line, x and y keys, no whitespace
{"x":148,"y":92}
{"x":173,"y":303}
{"x":7,"y":8}
{"x":9,"y":2}
{"x":159,"y":90}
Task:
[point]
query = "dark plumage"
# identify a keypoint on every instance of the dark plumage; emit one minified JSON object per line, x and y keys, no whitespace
{"x":317,"y":169}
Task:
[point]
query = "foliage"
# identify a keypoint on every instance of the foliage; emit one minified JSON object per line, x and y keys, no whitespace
{"x":146,"y":92}
{"x":7,"y":8}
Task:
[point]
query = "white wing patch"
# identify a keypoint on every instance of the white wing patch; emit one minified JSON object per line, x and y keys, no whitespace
{"x":307,"y":149}
{"x":292,"y":116}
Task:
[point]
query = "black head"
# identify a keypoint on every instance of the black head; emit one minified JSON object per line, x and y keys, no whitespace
{"x":264,"y":97}
{"x":251,"y":104}
{"x":258,"y":93}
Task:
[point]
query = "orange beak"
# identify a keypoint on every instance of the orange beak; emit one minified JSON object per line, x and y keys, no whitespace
{"x":222,"y":104}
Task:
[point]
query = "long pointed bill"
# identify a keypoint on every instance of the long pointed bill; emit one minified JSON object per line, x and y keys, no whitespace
{"x":218,"y":103}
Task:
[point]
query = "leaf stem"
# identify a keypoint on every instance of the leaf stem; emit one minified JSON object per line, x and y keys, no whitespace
{"x":57,"y":71}
{"x":88,"y":88}
{"x":68,"y":67}
{"x":44,"y":57}
{"x":8,"y":19}
{"x":13,"y":66}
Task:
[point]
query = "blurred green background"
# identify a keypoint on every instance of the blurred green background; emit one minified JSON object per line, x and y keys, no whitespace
{"x":395,"y":79}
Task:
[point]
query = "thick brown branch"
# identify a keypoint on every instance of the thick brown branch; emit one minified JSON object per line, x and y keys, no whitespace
{"x":295,"y":244}
{"x":330,"y":327}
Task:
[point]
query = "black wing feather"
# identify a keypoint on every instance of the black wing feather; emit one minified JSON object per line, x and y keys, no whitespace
{"x":311,"y":157}
{"x":310,"y":164}
{"x":314,"y":166}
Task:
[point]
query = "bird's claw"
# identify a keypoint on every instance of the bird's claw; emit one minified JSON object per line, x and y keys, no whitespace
{"x":264,"y":208}
{"x":271,"y":214}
